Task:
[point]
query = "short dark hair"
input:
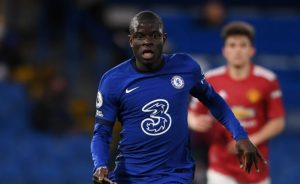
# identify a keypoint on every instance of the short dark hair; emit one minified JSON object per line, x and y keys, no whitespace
{"x":144,"y":15}
{"x":238,"y":28}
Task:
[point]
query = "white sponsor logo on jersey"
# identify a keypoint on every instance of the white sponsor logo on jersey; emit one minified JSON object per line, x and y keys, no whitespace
{"x":159,"y":121}
{"x":130,"y":90}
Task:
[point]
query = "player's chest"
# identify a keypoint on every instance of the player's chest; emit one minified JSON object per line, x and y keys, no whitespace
{"x":141,"y":91}
{"x":246,"y":93}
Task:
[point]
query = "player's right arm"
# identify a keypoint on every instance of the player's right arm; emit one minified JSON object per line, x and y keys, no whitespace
{"x":248,"y":154}
{"x":100,"y":176}
{"x":100,"y":152}
{"x":199,"y":119}
{"x":106,"y":112}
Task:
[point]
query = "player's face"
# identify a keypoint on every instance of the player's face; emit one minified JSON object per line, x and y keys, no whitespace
{"x":238,"y":50}
{"x":147,"y":42}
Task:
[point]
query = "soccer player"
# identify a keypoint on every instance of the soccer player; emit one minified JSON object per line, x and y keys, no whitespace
{"x":254,"y":96}
{"x":149,"y":94}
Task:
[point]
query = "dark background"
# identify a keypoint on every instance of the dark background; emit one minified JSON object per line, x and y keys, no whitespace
{"x":53,"y":53}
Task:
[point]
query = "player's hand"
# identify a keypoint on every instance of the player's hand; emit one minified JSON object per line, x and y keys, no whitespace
{"x":248,"y":155}
{"x":100,"y":176}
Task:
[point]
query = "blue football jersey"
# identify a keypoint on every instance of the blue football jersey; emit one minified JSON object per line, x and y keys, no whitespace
{"x":152,"y":108}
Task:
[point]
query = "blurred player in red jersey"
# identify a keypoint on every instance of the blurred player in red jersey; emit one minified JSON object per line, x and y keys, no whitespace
{"x":254,"y":96}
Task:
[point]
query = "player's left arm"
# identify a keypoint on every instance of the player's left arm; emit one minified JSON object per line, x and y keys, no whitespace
{"x":272,"y":128}
{"x":205,"y":93}
{"x":248,"y":154}
{"x":275,"y":113}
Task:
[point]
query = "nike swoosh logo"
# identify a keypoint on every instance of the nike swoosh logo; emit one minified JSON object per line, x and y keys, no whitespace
{"x":130,"y":90}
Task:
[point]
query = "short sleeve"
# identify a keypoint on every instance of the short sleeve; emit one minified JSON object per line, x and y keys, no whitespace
{"x":274,"y":101}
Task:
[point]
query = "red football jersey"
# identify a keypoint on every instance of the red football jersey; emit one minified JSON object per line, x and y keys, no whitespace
{"x":254,"y":101}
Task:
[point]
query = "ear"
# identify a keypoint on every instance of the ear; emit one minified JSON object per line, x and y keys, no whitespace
{"x":165,"y":37}
{"x":223,"y":51}
{"x":253,"y":51}
{"x":130,"y":40}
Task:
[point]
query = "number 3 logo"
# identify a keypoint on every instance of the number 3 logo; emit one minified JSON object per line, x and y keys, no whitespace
{"x":159,"y":121}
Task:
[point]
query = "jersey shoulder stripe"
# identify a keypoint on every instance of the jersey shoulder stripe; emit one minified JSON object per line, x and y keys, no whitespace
{"x":216,"y":72}
{"x":263,"y":72}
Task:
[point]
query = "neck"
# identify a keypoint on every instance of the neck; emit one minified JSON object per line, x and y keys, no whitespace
{"x":151,"y":67}
{"x":239,"y":72}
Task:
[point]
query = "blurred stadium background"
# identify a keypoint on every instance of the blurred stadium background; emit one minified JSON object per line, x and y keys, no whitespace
{"x":53,"y":53}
